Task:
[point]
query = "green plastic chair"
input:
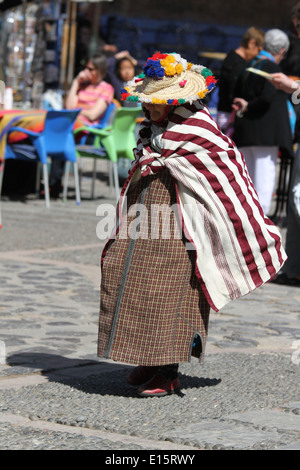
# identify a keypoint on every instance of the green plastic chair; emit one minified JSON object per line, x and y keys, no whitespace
{"x":124,"y":127}
{"x":111,"y":143}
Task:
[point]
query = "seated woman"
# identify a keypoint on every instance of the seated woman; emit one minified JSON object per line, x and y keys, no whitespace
{"x":90,"y":92}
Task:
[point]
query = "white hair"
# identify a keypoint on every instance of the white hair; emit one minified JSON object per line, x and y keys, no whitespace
{"x":275,"y":41}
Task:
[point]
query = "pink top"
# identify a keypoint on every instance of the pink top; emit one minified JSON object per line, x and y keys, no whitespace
{"x":90,"y":94}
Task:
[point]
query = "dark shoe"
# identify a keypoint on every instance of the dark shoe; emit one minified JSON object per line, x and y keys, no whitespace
{"x":141,"y":374}
{"x":159,"y":386}
{"x":54,"y":191}
{"x":285,"y":280}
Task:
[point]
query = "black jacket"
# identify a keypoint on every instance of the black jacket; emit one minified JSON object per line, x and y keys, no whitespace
{"x":232,"y":67}
{"x":266,"y":122}
{"x":291,"y":66}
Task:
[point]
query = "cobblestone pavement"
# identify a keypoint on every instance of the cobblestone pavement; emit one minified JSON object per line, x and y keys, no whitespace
{"x":56,"y":394}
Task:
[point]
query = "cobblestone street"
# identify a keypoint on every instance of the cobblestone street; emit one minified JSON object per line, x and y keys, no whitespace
{"x":56,"y":394}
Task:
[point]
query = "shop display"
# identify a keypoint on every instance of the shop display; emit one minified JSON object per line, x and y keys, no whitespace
{"x":31,"y":51}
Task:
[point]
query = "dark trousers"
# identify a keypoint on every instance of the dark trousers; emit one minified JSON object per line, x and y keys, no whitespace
{"x":56,"y":173}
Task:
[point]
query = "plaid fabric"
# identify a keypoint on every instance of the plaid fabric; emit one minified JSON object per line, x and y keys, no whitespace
{"x":152,"y":305}
{"x":238,"y":248}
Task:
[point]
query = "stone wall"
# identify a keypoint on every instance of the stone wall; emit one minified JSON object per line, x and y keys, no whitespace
{"x":260,"y":13}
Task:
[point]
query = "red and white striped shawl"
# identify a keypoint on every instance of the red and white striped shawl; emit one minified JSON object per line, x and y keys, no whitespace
{"x":237,"y":247}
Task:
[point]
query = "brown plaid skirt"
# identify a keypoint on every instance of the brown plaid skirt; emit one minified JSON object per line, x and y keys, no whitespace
{"x":152,"y":308}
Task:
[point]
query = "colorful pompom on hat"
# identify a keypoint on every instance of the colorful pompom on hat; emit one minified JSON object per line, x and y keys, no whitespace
{"x":169,"y":79}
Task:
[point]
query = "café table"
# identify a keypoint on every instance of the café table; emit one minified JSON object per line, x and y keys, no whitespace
{"x":32,"y":119}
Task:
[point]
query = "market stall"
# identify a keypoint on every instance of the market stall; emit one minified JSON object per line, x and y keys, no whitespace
{"x":31,"y":44}
{"x":38,"y":47}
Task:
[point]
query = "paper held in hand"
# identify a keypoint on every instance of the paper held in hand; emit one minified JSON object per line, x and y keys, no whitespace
{"x":260,"y":72}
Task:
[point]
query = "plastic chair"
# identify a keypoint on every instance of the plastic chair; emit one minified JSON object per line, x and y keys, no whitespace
{"x":112,"y":142}
{"x":106,"y":120}
{"x":55,"y":141}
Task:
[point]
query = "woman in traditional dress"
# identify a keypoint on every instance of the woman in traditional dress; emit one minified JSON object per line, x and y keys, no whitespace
{"x":190,"y":233}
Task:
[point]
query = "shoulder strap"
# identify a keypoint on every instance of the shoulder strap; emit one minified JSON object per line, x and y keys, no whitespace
{"x":257,"y":65}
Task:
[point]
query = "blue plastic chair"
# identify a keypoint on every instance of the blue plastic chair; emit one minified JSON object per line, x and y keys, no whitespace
{"x":106,"y":120}
{"x":112,"y":142}
{"x":55,"y":141}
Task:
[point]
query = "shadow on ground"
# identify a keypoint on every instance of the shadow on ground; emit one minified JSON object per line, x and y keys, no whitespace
{"x":90,"y":376}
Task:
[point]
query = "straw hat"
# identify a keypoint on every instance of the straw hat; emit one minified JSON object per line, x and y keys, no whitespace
{"x":169,"y":79}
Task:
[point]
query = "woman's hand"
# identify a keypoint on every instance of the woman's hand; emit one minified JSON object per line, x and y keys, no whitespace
{"x":122,"y":54}
{"x":84,"y":76}
{"x":284,"y":83}
{"x":240,"y":105}
{"x":72,"y":98}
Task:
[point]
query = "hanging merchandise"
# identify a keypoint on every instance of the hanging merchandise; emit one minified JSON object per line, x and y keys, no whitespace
{"x":47,"y":57}
{"x":19,"y":44}
{"x":31,"y":39}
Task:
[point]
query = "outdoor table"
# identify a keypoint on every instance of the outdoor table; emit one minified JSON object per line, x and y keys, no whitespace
{"x":31,"y":119}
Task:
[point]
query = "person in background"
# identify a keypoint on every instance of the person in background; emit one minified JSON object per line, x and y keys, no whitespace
{"x":290,"y":64}
{"x":124,"y":72}
{"x":232,"y":66}
{"x":90,"y":92}
{"x":290,"y":274}
{"x":124,"y":69}
{"x":263,"y":125}
{"x":131,"y":67}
